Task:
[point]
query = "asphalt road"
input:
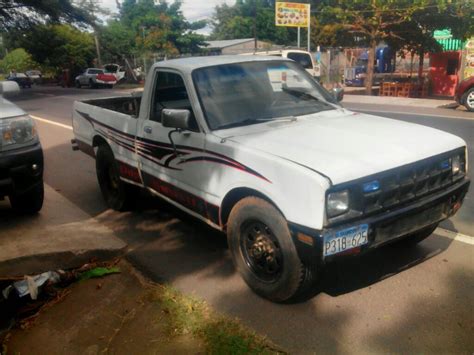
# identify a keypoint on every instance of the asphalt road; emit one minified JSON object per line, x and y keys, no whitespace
{"x":395,"y":300}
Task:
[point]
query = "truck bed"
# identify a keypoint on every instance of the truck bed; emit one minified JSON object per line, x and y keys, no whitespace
{"x":128,"y":105}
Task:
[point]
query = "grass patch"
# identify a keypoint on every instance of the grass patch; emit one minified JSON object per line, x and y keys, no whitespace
{"x":220,"y":334}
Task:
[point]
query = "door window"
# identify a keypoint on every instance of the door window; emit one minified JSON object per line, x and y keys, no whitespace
{"x":170,"y":92}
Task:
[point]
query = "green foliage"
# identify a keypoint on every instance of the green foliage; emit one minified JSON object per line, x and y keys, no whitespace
{"x":22,"y":14}
{"x":237,"y":21}
{"x":58,"y":46}
{"x":220,"y":334}
{"x":117,"y":40}
{"x":157,"y":27}
{"x":19,"y":60}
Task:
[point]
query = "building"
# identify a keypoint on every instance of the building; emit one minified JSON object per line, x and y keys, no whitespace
{"x":235,"y":46}
{"x":447,"y":68}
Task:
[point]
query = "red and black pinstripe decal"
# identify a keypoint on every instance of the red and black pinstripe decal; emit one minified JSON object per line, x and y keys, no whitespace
{"x":190,"y":201}
{"x":163,"y":154}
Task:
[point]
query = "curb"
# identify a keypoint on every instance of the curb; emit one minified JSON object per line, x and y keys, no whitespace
{"x":36,"y":264}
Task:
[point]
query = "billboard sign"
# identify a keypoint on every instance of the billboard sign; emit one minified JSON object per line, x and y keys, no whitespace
{"x":291,"y":14}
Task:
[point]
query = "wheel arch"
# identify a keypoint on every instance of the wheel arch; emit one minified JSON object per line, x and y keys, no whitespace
{"x":98,"y":140}
{"x":237,"y":194}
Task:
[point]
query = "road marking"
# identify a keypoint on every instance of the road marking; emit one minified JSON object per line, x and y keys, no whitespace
{"x":410,"y":113}
{"x":51,"y":122}
{"x":454,"y":235}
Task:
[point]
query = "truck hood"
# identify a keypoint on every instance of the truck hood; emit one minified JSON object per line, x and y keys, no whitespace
{"x":344,"y":145}
{"x":9,"y":109}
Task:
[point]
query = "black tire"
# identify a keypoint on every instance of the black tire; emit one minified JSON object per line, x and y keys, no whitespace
{"x":78,"y":84}
{"x":117,"y":194}
{"x":91,"y":84}
{"x":417,"y":237}
{"x":468,"y":99}
{"x":29,"y":202}
{"x":263,"y":251}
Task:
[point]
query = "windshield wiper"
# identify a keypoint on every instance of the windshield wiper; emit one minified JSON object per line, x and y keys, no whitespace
{"x":303,"y":95}
{"x":245,"y":122}
{"x":283,"y":118}
{"x":250,"y":121}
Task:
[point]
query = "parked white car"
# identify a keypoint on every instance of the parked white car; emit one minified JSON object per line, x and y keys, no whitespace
{"x":256,"y":148}
{"x":303,"y":58}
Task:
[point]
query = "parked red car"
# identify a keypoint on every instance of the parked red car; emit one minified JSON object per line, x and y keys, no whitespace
{"x":465,"y":93}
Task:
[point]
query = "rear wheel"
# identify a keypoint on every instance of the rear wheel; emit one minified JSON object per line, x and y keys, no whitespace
{"x":469,"y":100}
{"x":117,"y":194}
{"x":29,"y":202}
{"x":263,"y":251}
{"x":91,"y":84}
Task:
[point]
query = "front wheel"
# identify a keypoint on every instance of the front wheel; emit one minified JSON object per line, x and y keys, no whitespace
{"x":469,"y":100}
{"x":117,"y":194}
{"x":29,"y":202}
{"x":263,"y":251}
{"x":78,"y":84}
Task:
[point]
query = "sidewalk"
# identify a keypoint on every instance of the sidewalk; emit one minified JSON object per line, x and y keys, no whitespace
{"x":397,"y":101}
{"x":125,"y":314}
{"x":61,"y":236}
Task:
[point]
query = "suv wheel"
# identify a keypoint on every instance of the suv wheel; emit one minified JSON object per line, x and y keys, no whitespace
{"x":469,"y":100}
{"x":263,"y":251}
{"x":117,"y":194}
{"x":78,"y":84}
{"x":29,"y":202}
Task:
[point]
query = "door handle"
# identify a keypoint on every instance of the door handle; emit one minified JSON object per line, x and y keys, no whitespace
{"x":147,"y":129}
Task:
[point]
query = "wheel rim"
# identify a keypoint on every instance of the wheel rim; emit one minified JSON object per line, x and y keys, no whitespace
{"x":470,"y":99}
{"x":261,"y":251}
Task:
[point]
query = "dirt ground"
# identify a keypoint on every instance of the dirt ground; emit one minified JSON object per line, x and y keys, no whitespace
{"x":108,"y":315}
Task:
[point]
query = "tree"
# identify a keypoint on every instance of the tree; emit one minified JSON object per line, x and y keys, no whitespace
{"x":58,"y":46}
{"x":404,"y":24}
{"x":21,"y":14}
{"x":19,"y":60}
{"x":238,"y":21}
{"x":160,"y":27}
{"x":374,"y":20}
{"x":117,"y":40}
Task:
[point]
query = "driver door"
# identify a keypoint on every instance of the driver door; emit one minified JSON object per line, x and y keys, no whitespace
{"x":175,"y":174}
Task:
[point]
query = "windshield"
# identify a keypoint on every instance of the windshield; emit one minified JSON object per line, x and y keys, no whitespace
{"x":96,"y":71}
{"x":302,"y":58}
{"x":246,"y":93}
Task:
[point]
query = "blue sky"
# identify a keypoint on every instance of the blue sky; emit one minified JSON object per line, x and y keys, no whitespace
{"x":193,"y":9}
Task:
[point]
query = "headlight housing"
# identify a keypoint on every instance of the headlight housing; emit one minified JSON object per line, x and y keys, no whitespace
{"x":17,"y":132}
{"x":337,"y":203}
{"x":456,"y":164}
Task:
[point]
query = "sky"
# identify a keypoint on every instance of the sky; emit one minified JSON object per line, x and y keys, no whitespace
{"x":193,"y":10}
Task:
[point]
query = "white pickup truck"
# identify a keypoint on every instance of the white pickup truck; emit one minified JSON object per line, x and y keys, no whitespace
{"x":253,"y":146}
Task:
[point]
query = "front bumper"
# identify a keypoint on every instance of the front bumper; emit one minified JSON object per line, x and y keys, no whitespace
{"x":385,"y":227}
{"x":17,"y":174}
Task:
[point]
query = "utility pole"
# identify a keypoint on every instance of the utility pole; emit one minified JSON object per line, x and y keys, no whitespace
{"x":97,"y":48}
{"x":144,"y":57}
{"x":255,"y":45}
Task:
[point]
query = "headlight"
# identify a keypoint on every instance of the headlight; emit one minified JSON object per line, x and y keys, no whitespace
{"x":17,"y":131}
{"x":456,"y":164}
{"x":337,"y":203}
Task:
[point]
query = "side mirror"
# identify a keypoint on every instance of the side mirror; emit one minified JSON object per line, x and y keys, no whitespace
{"x":338,"y":94}
{"x":9,"y":88}
{"x":173,"y":118}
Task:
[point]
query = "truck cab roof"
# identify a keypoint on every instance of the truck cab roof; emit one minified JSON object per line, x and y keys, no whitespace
{"x":187,"y":65}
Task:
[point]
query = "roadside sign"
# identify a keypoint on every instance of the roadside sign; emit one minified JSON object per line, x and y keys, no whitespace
{"x":290,"y":14}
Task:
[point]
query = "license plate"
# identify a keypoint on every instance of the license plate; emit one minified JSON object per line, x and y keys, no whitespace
{"x":345,"y":239}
